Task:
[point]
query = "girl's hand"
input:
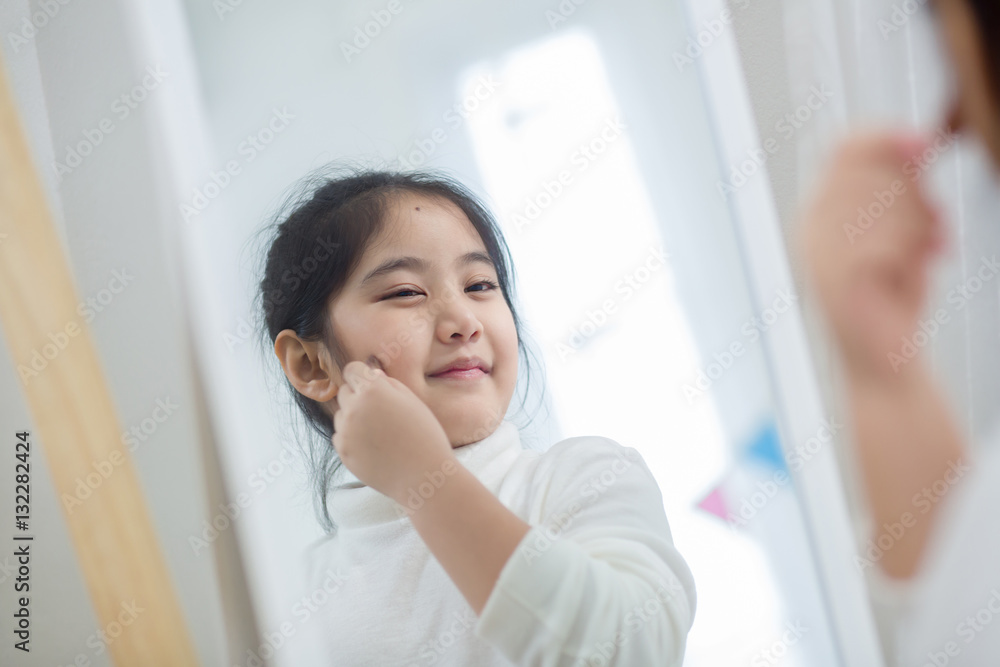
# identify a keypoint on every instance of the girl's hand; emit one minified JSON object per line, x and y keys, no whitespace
{"x":384,"y":434}
{"x":867,"y":239}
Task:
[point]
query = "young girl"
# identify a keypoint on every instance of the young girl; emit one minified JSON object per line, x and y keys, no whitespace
{"x":389,"y":305}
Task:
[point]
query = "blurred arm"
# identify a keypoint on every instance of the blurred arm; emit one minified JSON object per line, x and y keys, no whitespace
{"x":906,"y":441}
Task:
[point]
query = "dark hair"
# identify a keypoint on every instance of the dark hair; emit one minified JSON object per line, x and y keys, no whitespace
{"x":316,"y":241}
{"x":987,"y":14}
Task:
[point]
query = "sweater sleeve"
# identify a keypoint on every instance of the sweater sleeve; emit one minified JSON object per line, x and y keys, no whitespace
{"x":597,"y":579}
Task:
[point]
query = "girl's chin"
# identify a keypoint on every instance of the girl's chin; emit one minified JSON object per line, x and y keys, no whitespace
{"x":468,"y":424}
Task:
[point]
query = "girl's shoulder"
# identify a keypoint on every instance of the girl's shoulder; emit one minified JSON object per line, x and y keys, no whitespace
{"x":581,"y":454}
{"x":591,"y":466}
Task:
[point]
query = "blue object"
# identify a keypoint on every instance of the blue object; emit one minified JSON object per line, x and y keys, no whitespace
{"x":766,"y":448}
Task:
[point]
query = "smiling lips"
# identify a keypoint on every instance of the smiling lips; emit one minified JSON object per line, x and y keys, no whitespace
{"x":468,"y":374}
{"x":469,"y":368}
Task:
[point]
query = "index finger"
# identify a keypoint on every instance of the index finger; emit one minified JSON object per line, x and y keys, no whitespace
{"x":357,"y":373}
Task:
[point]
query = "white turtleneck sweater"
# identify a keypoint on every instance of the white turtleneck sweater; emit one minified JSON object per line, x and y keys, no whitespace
{"x":596,"y":581}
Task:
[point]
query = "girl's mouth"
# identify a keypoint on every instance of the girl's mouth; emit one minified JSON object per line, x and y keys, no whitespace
{"x":469,"y":374}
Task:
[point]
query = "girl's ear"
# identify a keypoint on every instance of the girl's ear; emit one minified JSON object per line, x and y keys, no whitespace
{"x":308,"y":365}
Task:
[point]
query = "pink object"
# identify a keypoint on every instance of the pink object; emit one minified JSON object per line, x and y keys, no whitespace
{"x":715,"y":504}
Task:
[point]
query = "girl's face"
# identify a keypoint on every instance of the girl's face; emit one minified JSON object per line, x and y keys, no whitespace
{"x":421,"y":299}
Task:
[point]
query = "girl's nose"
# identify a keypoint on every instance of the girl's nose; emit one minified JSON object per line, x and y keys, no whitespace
{"x":457,"y":319}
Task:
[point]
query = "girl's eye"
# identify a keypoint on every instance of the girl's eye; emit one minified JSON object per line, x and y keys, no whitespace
{"x":402,"y":292}
{"x":490,"y":285}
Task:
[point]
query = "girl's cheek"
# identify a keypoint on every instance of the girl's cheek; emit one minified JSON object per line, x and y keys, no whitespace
{"x":395,"y":342}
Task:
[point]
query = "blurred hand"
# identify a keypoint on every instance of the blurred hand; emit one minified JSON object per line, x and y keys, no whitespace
{"x":867,"y":238}
{"x":384,"y":433}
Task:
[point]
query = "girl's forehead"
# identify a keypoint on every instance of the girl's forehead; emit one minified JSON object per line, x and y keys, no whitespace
{"x":420,"y":202}
{"x":416,"y":217}
{"x":436,"y":235}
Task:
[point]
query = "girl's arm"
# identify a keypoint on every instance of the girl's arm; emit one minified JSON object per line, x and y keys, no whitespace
{"x":469,"y":531}
{"x":597,"y":581}
{"x":911,"y":458}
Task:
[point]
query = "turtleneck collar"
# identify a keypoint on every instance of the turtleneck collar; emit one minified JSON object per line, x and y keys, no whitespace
{"x":352,"y":504}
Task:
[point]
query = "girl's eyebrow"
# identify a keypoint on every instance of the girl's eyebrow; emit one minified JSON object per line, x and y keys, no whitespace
{"x":419,"y":265}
